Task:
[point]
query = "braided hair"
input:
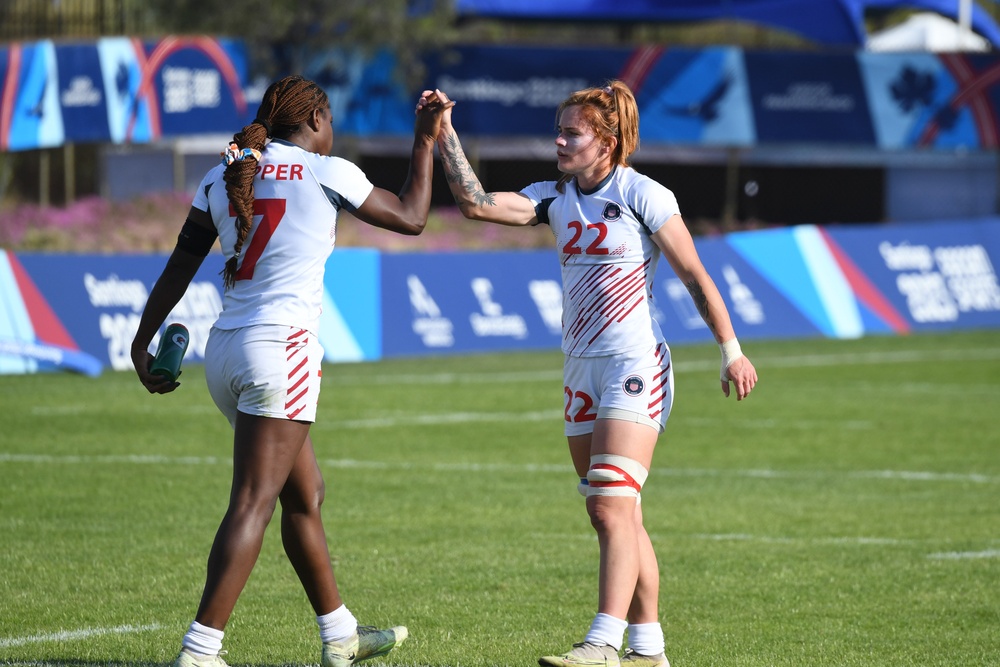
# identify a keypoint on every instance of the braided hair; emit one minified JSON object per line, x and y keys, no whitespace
{"x":611,"y":111}
{"x":287,"y":104}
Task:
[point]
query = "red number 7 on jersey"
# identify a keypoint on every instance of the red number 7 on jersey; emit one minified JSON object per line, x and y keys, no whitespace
{"x":271,"y":212}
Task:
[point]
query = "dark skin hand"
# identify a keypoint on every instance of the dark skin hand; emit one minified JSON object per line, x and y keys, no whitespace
{"x":169,"y":288}
{"x":406,"y":213}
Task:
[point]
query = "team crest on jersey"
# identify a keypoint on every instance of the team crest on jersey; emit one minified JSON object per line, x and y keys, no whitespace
{"x":612,"y":211}
{"x":633,"y":385}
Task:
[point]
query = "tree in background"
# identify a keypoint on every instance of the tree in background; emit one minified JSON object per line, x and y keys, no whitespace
{"x":280,"y":34}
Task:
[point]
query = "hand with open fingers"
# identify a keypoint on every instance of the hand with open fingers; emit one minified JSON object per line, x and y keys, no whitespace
{"x":743,"y":375}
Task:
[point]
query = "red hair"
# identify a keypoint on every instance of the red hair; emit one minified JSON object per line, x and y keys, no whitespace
{"x":611,"y":111}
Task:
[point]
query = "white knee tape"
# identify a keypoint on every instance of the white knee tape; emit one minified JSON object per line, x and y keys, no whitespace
{"x":613,"y":475}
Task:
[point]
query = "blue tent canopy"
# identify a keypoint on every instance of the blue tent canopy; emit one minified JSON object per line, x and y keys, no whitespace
{"x":830,"y":22}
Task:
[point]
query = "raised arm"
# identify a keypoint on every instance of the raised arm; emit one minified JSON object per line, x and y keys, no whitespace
{"x":505,"y":208}
{"x":676,"y":244}
{"x":407,"y":211}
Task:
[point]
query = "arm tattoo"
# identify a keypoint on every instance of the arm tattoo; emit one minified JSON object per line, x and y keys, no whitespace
{"x":700,"y":302}
{"x":465,"y":185}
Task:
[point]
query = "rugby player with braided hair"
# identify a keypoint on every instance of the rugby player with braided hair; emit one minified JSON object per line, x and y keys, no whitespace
{"x":273,"y":206}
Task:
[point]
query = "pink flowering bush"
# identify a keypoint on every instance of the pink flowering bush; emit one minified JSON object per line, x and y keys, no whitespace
{"x":95,"y":225}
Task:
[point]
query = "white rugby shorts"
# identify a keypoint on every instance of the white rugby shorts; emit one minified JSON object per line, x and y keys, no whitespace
{"x":266,"y":370}
{"x":636,"y":387}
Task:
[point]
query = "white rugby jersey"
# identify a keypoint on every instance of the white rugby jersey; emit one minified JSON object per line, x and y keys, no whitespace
{"x":297,"y":195}
{"x":608,"y":258}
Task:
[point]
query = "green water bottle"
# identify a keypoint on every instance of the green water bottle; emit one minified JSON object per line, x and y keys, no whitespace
{"x":170,"y":353}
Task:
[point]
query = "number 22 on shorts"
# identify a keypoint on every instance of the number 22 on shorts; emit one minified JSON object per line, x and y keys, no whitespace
{"x":585,"y":411}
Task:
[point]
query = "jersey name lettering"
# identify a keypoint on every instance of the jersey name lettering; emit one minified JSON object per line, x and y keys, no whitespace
{"x":280,"y":172}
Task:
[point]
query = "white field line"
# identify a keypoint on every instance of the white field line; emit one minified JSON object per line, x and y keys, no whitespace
{"x":965,"y":555}
{"x":442,"y":418}
{"x":344,"y":375}
{"x":151,"y":407}
{"x":408,"y":419}
{"x":797,"y":424}
{"x":680,"y":366}
{"x":980,"y":390}
{"x":71,"y":635}
{"x":154,"y":459}
{"x":745,"y":537}
{"x":860,"y":541}
{"x":832,"y":541}
{"x":445,"y":418}
{"x":840,"y":541}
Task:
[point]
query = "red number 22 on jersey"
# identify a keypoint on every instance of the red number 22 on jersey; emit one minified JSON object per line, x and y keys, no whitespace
{"x":571,"y":248}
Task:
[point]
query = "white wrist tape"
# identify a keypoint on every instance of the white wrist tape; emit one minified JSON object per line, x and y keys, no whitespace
{"x":730,"y":352}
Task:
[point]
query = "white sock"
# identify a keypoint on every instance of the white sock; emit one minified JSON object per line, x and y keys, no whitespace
{"x":203,"y":640}
{"x":646,"y":638}
{"x":607,"y":630}
{"x":338,"y":625}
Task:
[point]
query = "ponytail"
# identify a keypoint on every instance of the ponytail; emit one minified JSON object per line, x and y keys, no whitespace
{"x":287,"y":104}
{"x":611,"y":111}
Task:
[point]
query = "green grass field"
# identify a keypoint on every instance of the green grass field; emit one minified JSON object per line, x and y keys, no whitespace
{"x":848,"y":513}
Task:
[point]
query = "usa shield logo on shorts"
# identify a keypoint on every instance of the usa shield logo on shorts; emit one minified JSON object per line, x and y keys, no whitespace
{"x":634,"y":385}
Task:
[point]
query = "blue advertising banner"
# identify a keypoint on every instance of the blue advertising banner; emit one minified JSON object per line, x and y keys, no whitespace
{"x":132,"y":114}
{"x":80,"y":312}
{"x":32,"y":337}
{"x":921,"y":100}
{"x":9,"y":72}
{"x":82,"y":93}
{"x":936,"y":277}
{"x":350,"y":327}
{"x":463,"y":302}
{"x":692,"y":96}
{"x":808,"y":98}
{"x":758,"y":308}
{"x":696,"y":96}
{"x":725,"y":96}
{"x":366,"y":97}
{"x":506,"y":91}
{"x":198,"y":83}
{"x":126,"y":90}
{"x":30,"y":116}
{"x":120,"y":90}
{"x":99,"y":300}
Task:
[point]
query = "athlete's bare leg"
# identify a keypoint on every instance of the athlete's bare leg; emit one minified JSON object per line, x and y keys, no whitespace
{"x":645,"y":601}
{"x":302,"y":532}
{"x":264,"y":452}
{"x":624,"y":545}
